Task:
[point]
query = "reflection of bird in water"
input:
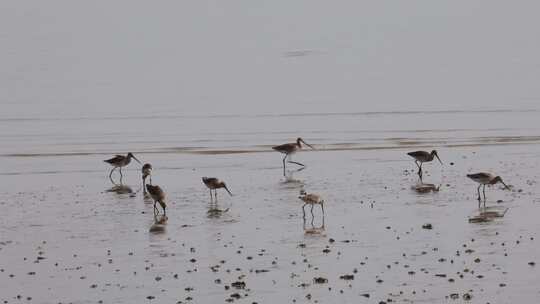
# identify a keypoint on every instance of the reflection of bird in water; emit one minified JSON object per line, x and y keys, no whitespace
{"x":425,"y":188}
{"x":120,"y":189}
{"x":120,"y":161}
{"x":213,"y":184}
{"x":158,"y":196}
{"x":290,"y":149}
{"x":290,"y":179}
{"x":214,"y":212}
{"x":421,"y":157}
{"x":159,"y":224}
{"x":146,"y":172}
{"x":311,"y":199}
{"x":487,"y":216}
{"x":313,"y":230}
{"x":485,"y":179}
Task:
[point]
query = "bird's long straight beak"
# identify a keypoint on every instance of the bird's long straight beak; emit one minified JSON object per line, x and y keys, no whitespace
{"x":136,"y":160}
{"x":305,"y":143}
{"x":505,"y":186}
{"x":439,"y":159}
{"x":228,"y":190}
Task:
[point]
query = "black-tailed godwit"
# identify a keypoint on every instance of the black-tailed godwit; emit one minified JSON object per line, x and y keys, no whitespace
{"x":423,"y":157}
{"x":120,"y":161}
{"x":485,"y":179}
{"x":290,"y":149}
{"x":213,"y":184}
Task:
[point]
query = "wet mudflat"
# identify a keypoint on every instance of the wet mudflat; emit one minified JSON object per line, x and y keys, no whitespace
{"x":70,"y":236}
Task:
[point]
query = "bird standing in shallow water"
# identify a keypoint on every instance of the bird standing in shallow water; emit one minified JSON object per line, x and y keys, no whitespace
{"x":423,"y":157}
{"x":289,"y":149}
{"x":485,"y":179}
{"x":311,"y":199}
{"x":213,"y":184}
{"x":146,"y":172}
{"x":158,"y":196}
{"x":120,"y":161}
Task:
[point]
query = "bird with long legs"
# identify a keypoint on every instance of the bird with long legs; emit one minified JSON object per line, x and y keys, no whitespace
{"x":158,"y":195}
{"x":484,"y":179}
{"x":421,"y":157}
{"x":120,"y":161}
{"x":290,"y":149}
{"x":146,"y":171}
{"x":311,"y":199}
{"x":213,"y":183}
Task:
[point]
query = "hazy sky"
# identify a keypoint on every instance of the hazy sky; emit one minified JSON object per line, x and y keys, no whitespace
{"x":88,"y":58}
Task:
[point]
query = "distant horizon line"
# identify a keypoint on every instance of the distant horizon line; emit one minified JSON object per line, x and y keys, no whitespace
{"x":298,"y":114}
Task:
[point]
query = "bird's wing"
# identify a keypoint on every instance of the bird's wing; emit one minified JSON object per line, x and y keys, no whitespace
{"x":480,"y":175}
{"x":115,"y":159}
{"x":417,"y":153}
{"x":284,"y":147}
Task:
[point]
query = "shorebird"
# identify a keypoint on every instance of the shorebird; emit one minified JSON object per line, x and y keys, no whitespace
{"x":120,"y":161}
{"x":485,"y":179}
{"x":213,"y":184}
{"x":158,"y":196}
{"x":311,"y":199}
{"x":423,"y":157}
{"x":289,"y":149}
{"x":146,"y":172}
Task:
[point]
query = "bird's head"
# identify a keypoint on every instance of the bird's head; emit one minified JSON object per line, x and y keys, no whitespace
{"x":498,"y":179}
{"x":435,"y":154}
{"x":223,"y":185}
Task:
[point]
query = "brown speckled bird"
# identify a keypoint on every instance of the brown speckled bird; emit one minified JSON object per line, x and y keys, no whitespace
{"x":158,"y":196}
{"x":484,"y":179}
{"x":146,"y":172}
{"x":213,"y":184}
{"x":311,"y":199}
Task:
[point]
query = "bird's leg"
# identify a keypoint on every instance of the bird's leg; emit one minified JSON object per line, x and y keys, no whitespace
{"x":420,"y":170}
{"x":156,"y":212}
{"x":312,"y":216}
{"x":484,"y":190}
{"x":479,"y":198}
{"x":150,"y":179}
{"x":215,"y":194}
{"x":284,"y":159}
{"x":121,"y":176}
{"x":110,"y":174}
{"x":143,"y":186}
{"x":211,"y":198}
{"x":322,"y":208}
{"x":304,"y":211}
{"x":293,"y":162}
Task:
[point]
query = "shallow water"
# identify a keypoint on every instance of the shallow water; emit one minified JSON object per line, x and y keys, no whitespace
{"x":57,"y":201}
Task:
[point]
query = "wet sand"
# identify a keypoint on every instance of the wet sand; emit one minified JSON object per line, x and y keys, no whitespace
{"x":67,"y":238}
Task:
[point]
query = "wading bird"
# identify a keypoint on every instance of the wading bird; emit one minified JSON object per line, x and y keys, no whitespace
{"x":146,"y":172}
{"x":158,"y":196}
{"x":289,"y":149}
{"x":120,"y":161}
{"x":485,"y":179}
{"x":423,"y":157}
{"x":213,"y":184}
{"x":311,"y":199}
